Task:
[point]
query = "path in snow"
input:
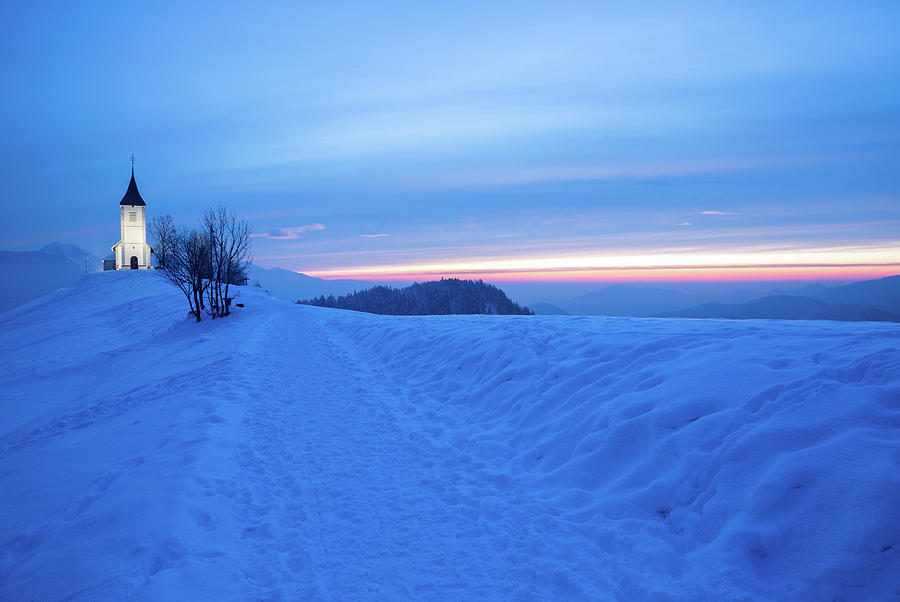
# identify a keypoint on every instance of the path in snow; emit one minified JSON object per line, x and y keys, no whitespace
{"x":293,"y":452}
{"x":342,"y":494}
{"x":258,"y":458}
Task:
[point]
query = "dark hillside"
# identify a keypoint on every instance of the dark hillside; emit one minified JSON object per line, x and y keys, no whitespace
{"x":440,"y":297}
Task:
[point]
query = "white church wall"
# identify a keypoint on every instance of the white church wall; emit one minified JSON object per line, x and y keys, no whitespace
{"x":133,"y":242}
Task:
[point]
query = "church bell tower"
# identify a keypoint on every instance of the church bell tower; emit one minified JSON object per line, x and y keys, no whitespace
{"x":132,"y":251}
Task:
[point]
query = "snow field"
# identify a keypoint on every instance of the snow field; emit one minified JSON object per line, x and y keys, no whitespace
{"x":293,"y":452}
{"x":674,"y":457}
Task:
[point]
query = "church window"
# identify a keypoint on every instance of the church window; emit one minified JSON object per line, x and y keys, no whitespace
{"x":132,"y":216}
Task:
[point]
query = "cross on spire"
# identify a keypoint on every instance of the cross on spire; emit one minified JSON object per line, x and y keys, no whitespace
{"x":132,"y":161}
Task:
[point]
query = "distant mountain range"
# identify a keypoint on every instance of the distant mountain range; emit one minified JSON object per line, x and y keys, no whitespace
{"x":644,"y":301}
{"x":867,"y":300}
{"x":547,"y":309}
{"x":294,"y":286}
{"x":27,"y":275}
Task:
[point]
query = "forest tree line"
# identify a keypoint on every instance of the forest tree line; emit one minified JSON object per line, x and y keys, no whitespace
{"x":439,"y":297}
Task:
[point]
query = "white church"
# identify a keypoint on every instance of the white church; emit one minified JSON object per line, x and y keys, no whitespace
{"x":132,"y":251}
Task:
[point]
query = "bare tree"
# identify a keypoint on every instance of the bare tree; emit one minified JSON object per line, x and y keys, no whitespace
{"x":229,"y":256}
{"x":162,"y":231}
{"x":204,"y":263}
{"x":186,"y":265}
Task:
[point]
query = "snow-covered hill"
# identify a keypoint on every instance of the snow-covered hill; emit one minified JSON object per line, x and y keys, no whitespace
{"x":297,"y":452}
{"x":294,"y":285}
{"x":27,"y":275}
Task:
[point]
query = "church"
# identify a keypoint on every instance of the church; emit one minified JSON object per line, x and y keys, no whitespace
{"x":132,"y":251}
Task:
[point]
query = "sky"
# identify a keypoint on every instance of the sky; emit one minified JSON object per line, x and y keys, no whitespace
{"x":555,"y":141}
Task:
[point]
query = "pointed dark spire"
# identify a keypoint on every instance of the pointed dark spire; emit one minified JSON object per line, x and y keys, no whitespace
{"x":132,"y":196}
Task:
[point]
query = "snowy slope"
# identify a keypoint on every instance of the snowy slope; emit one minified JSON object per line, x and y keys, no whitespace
{"x":27,"y":275}
{"x":298,"y":452}
{"x":295,"y":285}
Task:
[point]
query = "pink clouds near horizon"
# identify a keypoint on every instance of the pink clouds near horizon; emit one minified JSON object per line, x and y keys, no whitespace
{"x":749,"y":264}
{"x":289,"y":233}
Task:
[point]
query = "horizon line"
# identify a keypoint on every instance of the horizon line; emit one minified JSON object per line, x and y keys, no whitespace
{"x":613,"y":275}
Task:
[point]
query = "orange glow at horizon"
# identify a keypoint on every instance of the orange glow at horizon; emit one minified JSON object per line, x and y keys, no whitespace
{"x":800,"y":264}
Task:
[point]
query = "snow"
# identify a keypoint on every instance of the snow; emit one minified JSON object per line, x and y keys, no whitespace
{"x":27,"y":275}
{"x":294,"y":452}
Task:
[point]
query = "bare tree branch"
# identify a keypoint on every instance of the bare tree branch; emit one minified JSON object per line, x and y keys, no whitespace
{"x":162,"y":232}
{"x":229,"y":256}
{"x":186,"y":261}
{"x":205,"y":263}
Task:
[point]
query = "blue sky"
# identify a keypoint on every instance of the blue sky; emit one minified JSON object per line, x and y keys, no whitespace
{"x":376,"y":136}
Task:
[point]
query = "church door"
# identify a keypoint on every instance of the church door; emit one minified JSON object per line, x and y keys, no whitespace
{"x":134,"y":262}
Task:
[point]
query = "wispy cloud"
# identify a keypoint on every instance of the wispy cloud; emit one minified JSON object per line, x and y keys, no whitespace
{"x":290,"y":233}
{"x":373,"y":235}
{"x":684,"y":224}
{"x":611,"y":171}
{"x":720,"y":213}
{"x":873,"y":260}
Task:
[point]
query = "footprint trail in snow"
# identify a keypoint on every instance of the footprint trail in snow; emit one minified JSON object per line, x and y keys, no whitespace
{"x":291,"y":452}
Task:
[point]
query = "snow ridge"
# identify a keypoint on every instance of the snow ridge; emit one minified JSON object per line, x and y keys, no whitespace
{"x":293,"y":452}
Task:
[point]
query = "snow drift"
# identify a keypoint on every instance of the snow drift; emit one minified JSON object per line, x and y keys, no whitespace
{"x":301,"y":452}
